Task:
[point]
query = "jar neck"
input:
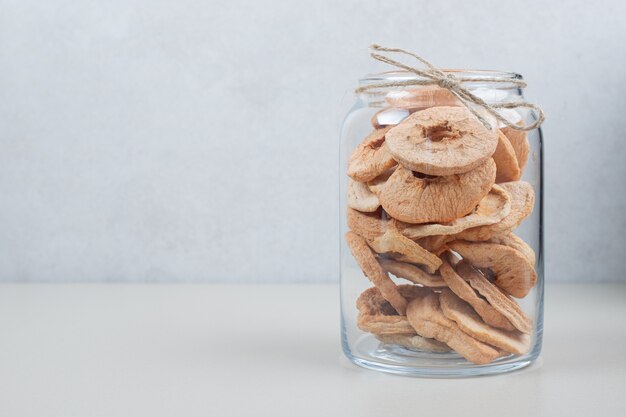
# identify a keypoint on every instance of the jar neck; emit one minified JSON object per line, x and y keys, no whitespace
{"x":491,"y":86}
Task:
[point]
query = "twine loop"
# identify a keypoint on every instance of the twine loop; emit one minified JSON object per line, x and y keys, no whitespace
{"x":431,"y":75}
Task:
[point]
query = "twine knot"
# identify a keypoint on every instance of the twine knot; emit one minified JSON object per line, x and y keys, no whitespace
{"x":431,"y":75}
{"x":448,"y":82}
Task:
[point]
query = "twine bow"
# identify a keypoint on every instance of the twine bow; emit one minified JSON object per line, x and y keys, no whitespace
{"x":432,"y":75}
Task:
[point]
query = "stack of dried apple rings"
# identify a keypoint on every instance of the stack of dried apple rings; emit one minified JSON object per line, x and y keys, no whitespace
{"x":434,"y":198}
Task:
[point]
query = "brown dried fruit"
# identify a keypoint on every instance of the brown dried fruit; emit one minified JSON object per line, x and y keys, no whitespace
{"x":462,"y":289}
{"x":370,"y":158}
{"x":522,"y":202}
{"x":385,"y":324}
{"x":466,"y":318}
{"x":412,"y":273}
{"x":377,"y":316}
{"x":372,"y":270}
{"x":372,"y":300}
{"x":513,"y":241}
{"x":377,"y":184}
{"x":434,"y":244}
{"x":441,"y":141}
{"x":367,"y":225}
{"x":519,"y":141}
{"x":491,"y":209}
{"x":413,"y":341}
{"x":428,"y":320}
{"x":404,"y":249}
{"x":507,"y":168}
{"x":422,"y":98}
{"x":500,"y":301}
{"x":513,"y":273}
{"x":360,"y":197}
{"x":441,"y":199}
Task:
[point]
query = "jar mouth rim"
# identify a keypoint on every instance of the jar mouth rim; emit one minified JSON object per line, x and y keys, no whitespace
{"x":469,"y":75}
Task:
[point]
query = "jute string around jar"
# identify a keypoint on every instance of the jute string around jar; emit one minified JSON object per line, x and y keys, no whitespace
{"x":435,"y":76}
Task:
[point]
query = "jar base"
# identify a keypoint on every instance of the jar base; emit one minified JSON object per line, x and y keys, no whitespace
{"x":369,"y":353}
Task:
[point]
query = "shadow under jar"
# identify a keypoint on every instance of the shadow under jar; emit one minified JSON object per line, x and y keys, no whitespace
{"x":441,"y":231}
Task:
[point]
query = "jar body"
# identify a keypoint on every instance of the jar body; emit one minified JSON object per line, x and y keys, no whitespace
{"x":439,"y":277}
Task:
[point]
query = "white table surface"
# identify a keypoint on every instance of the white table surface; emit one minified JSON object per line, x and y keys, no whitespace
{"x":235,"y":350}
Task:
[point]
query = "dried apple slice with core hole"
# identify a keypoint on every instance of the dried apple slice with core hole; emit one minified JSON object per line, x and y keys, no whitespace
{"x":411,"y":199}
{"x":441,"y":141}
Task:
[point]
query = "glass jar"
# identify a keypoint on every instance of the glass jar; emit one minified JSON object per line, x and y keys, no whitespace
{"x":441,"y":229}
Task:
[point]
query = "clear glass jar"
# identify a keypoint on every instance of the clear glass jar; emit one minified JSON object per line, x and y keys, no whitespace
{"x":441,"y":230}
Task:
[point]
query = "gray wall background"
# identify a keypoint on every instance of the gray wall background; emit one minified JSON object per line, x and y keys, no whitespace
{"x":198,"y":140}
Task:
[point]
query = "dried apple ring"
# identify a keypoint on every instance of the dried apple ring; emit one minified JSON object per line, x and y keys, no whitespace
{"x":491,"y":209}
{"x":513,"y":273}
{"x":412,"y":273}
{"x":519,"y":141}
{"x":411,"y":199}
{"x":404,"y":249}
{"x":377,"y":315}
{"x":428,"y":320}
{"x":367,"y":225}
{"x":462,"y":289}
{"x":507,"y":167}
{"x":372,"y":270}
{"x":413,"y":341}
{"x":494,"y":295}
{"x":522,"y":202}
{"x":360,"y":197}
{"x":466,"y":318}
{"x":513,"y":241}
{"x":441,"y":141}
{"x":371,"y":157}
